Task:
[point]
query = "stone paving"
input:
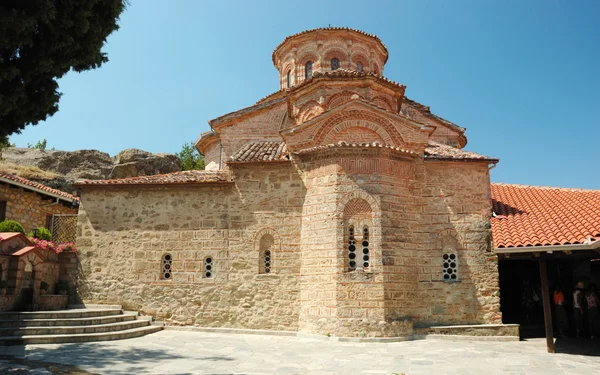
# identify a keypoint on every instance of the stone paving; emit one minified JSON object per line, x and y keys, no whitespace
{"x":184,"y":352}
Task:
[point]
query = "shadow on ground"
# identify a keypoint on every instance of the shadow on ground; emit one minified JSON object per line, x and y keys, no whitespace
{"x":569,"y":345}
{"x":105,"y":360}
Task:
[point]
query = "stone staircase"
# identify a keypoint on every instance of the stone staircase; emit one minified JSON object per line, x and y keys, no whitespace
{"x":92,"y":323}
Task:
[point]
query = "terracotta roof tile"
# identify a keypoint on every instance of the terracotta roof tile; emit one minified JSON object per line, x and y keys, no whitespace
{"x":343,"y":144}
{"x":261,"y":151}
{"x":185,"y":177}
{"x":440,"y":151}
{"x":543,"y":216}
{"x":36,"y":186}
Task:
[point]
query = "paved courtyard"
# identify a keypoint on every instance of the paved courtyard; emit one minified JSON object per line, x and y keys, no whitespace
{"x":183,"y":352}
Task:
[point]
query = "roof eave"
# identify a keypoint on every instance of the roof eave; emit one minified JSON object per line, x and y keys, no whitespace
{"x":37,"y":190}
{"x":548,"y":248}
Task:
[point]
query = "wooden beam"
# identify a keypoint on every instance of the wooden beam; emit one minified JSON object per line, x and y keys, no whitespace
{"x":546,"y":303}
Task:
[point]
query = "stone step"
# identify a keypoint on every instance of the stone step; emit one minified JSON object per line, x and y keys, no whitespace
{"x":95,"y":307}
{"x":72,"y":330}
{"x":108,"y":319}
{"x":83,"y":337}
{"x":58,"y":314}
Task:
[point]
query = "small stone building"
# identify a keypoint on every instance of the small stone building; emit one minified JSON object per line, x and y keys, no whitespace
{"x":24,"y":266}
{"x":32,"y":204}
{"x":335,"y":205}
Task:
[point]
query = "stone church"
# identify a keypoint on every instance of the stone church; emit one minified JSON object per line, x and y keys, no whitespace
{"x":334,"y":206}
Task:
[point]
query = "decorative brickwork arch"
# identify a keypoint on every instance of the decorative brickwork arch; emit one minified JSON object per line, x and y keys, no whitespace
{"x":373,"y":131}
{"x":340,"y":98}
{"x":360,"y":57}
{"x":308,"y":111}
{"x":357,"y":117}
{"x":335,"y":52}
{"x":357,"y":201}
{"x":382,"y":102}
{"x":359,"y":134}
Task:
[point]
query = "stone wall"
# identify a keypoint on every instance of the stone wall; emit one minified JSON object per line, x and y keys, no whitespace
{"x":416,"y":211}
{"x":124,"y":234}
{"x":29,"y":208}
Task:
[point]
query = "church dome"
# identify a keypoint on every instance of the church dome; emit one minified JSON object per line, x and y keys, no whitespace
{"x":327,"y":49}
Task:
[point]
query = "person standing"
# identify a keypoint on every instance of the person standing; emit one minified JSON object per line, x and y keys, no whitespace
{"x":578,"y":297}
{"x":591,"y":298}
{"x":562,"y":321}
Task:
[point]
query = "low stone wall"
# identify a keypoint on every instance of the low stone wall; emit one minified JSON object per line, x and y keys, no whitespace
{"x":53,"y":302}
{"x":472,"y":330}
{"x":7,"y":303}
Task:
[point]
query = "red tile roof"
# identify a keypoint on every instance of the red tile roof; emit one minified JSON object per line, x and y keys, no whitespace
{"x":35,"y":186}
{"x":261,"y":151}
{"x":440,"y":151}
{"x":268,"y":151}
{"x":181,"y":178}
{"x":343,"y":144}
{"x":541,"y":216}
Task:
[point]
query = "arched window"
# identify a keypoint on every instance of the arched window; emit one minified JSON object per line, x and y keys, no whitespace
{"x":365,"y":247}
{"x":308,"y":70}
{"x":266,"y":245}
{"x":335,"y":63}
{"x":208,"y":268}
{"x":167,"y":267}
{"x":359,"y":67}
{"x":289,"y":79}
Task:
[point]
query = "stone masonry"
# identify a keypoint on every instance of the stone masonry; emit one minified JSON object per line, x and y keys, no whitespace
{"x":335,"y":206}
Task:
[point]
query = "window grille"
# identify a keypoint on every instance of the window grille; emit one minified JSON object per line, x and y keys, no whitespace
{"x":450,"y":267}
{"x":167,"y":267}
{"x":208,"y":268}
{"x":267,"y":260}
{"x":351,"y":249}
{"x":365,"y":245}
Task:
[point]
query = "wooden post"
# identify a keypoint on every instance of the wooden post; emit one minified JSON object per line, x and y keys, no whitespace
{"x":546,"y":301}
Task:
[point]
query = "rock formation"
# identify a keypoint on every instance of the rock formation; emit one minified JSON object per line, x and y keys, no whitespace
{"x":69,"y":166}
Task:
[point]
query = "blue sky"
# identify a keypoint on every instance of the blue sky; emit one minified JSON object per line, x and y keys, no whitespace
{"x":522,"y":76}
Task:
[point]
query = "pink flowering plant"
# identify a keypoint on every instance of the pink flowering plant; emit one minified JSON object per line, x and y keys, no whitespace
{"x":49,"y":245}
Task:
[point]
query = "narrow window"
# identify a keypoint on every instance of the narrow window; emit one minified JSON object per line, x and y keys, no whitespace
{"x":308,"y":70}
{"x":365,"y":246}
{"x":266,"y":247}
{"x":167,"y":267}
{"x":359,"y":67}
{"x":289,"y":79}
{"x":335,"y":63}
{"x":351,"y":249}
{"x":2,"y":210}
{"x":450,"y":267}
{"x":208,"y":268}
{"x":267,"y":260}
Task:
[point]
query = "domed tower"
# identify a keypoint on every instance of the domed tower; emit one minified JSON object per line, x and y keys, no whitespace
{"x":299,"y":56}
